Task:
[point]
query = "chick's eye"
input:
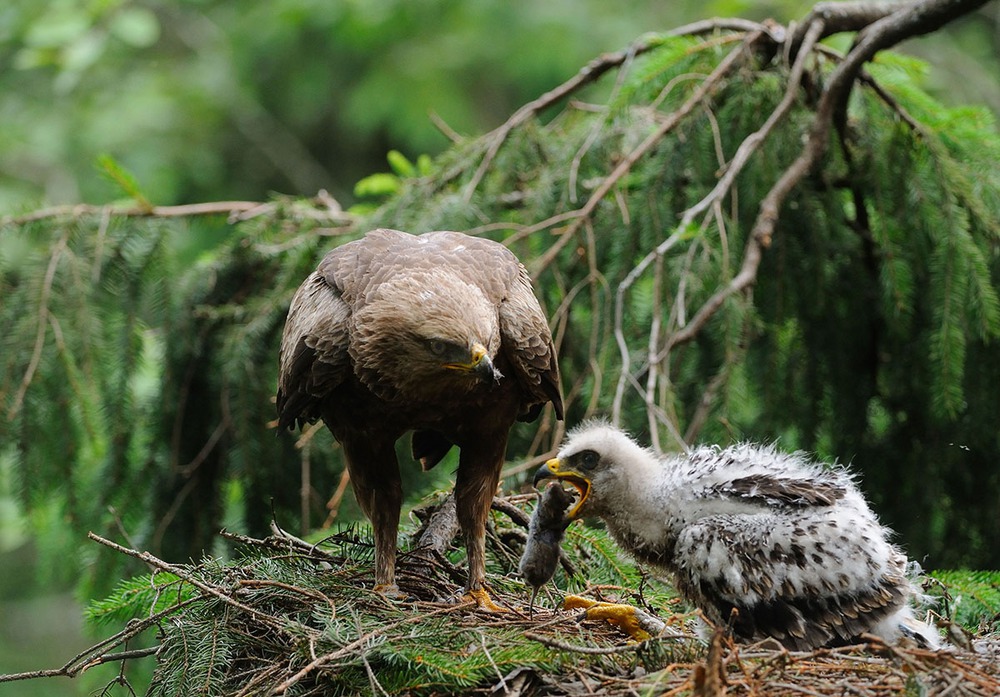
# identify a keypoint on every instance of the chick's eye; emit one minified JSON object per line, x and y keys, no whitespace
{"x":589,"y":459}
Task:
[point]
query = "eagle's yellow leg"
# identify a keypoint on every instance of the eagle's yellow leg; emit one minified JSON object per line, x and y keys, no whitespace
{"x":481,"y":598}
{"x":624,"y":617}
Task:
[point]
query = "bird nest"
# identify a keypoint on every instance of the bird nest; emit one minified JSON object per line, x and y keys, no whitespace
{"x":286,"y":616}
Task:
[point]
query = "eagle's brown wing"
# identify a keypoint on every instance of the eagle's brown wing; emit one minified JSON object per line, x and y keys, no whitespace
{"x":528,"y":344}
{"x":314,"y":357}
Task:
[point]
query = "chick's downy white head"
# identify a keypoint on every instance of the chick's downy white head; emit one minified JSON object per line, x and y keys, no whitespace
{"x":605,"y":465}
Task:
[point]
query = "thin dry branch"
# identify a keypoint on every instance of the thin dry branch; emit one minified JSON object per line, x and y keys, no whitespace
{"x":68,"y":672}
{"x":909,"y":21}
{"x":327,"y":210}
{"x":751,"y":258}
{"x":698,"y":97}
{"x":752,"y":142}
{"x":43,"y":319}
{"x":588,"y":650}
{"x":180,"y":573}
{"x":591,"y":73}
{"x":99,"y":653}
{"x":347,"y":649}
{"x":81,"y":210}
{"x":838,"y":17}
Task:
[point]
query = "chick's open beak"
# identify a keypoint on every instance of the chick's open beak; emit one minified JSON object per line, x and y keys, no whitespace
{"x":555,"y":469}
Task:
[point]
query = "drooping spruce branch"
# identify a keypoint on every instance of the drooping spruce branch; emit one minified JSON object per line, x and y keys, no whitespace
{"x":662,"y":261}
{"x":905,"y":21}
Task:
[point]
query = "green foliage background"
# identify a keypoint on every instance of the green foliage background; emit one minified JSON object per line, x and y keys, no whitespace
{"x":207,"y":100}
{"x":151,"y":344}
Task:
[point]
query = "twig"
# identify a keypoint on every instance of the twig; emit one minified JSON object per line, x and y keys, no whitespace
{"x":155,"y":562}
{"x":236,"y":211}
{"x":43,"y":318}
{"x":92,"y":655}
{"x":752,"y":255}
{"x":182,"y":211}
{"x":96,"y":661}
{"x":346,"y":649}
{"x":333,"y":505}
{"x":268,"y":583}
{"x":911,"y":20}
{"x":705,"y":403}
{"x":652,"y":373}
{"x":588,"y":74}
{"x":699,"y":95}
{"x":446,"y":130}
{"x":704,"y":90}
{"x":589,"y":650}
{"x":838,"y":17}
{"x":753,"y":141}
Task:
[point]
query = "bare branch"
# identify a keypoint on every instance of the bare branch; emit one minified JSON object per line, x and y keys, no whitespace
{"x":753,"y":141}
{"x":235,"y":210}
{"x":590,"y":73}
{"x":180,"y":573}
{"x":838,"y":17}
{"x":911,"y":20}
{"x":43,"y":319}
{"x":707,"y":87}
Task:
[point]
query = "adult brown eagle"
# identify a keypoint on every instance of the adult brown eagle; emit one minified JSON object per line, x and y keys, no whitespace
{"x":439,"y":334}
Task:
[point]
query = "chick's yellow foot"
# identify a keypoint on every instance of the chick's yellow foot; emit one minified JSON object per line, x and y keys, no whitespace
{"x":483,"y":600}
{"x":624,"y":617}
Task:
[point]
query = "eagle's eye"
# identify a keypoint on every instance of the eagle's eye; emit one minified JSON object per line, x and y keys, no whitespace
{"x":588,"y":459}
{"x":437,"y":347}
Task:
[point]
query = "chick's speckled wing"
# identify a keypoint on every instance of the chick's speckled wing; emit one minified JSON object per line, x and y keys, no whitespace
{"x":802,"y":579}
{"x":782,"y":491}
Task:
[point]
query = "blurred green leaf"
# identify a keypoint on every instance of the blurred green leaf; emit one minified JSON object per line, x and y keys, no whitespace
{"x":381,"y":184}
{"x":400,"y":165}
{"x":62,"y":25}
{"x":136,"y":26}
{"x":124,"y":179}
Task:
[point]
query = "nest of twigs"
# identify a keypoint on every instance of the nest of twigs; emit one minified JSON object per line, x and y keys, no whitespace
{"x":287,"y":616}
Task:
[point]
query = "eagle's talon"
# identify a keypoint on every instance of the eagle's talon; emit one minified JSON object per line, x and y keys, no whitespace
{"x":483,"y":600}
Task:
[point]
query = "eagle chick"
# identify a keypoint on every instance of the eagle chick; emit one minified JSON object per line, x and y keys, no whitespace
{"x":768,"y":543}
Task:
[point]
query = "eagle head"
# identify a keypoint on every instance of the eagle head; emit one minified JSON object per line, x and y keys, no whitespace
{"x":603,"y":464}
{"x":424,"y":332}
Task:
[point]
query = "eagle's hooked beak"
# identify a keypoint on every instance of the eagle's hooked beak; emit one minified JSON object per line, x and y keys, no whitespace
{"x":554,"y":469}
{"x":479,"y":363}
